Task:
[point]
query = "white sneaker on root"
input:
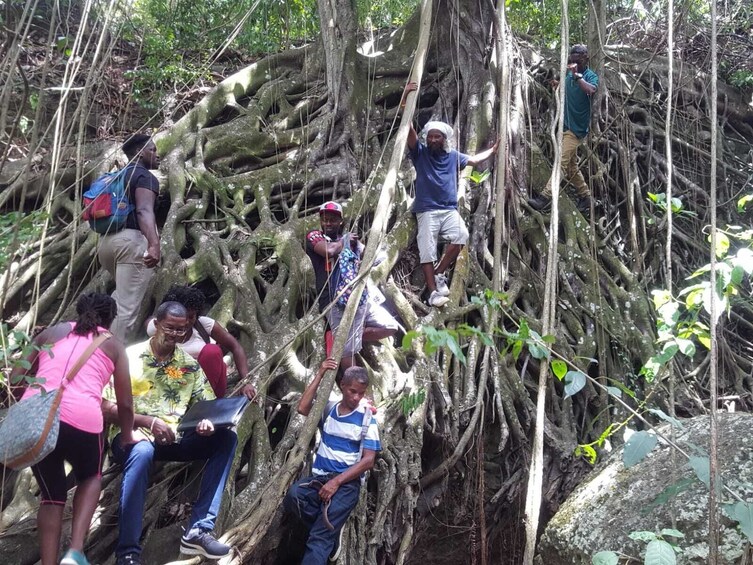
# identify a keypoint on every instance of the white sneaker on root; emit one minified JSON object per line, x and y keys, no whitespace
{"x":441,"y":282}
{"x":437,"y":300}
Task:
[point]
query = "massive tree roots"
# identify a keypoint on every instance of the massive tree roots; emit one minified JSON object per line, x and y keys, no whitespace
{"x":244,"y":172}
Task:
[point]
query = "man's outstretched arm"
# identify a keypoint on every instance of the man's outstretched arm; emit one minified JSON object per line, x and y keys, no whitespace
{"x":478,"y":158}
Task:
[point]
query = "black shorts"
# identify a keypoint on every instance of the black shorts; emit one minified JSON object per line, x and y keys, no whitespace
{"x":83,"y":450}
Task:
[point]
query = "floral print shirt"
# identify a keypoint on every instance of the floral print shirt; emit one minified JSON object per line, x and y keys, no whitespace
{"x":165,"y":389}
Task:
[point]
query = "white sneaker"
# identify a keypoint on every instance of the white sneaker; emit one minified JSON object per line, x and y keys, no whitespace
{"x":437,"y":300}
{"x":441,"y":282}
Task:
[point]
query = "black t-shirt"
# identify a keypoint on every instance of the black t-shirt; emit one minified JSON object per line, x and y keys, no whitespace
{"x":138,"y":177}
{"x":323,"y":267}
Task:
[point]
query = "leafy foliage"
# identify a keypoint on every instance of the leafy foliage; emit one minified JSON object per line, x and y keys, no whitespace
{"x":17,"y":231}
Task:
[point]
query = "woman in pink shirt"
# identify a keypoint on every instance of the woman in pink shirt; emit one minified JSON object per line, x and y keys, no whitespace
{"x":80,"y":440}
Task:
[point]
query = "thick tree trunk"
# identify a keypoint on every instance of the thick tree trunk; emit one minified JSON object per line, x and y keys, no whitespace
{"x":245,"y":171}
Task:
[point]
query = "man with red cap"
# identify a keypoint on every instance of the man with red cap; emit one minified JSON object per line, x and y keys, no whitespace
{"x":333,"y":255}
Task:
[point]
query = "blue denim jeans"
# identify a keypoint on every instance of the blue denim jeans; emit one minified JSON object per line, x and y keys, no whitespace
{"x":217,"y":449}
{"x":302,"y":500}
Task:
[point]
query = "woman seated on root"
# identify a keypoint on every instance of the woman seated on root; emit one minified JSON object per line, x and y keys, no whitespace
{"x":206,"y":339}
{"x":80,"y":437}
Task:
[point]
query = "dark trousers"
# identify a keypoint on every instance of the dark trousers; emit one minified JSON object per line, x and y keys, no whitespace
{"x":302,"y":500}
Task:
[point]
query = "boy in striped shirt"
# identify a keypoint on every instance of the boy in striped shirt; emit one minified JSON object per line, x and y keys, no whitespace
{"x":350,"y":440}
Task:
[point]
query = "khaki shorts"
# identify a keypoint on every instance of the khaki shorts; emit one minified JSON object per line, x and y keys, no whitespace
{"x":434,"y":224}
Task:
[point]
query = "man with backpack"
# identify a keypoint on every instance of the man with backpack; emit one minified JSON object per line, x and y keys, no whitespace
{"x":347,"y":450}
{"x":131,"y":252}
{"x":336,"y":257}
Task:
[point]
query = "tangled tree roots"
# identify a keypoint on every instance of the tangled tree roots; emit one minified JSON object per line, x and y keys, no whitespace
{"x":245,"y":170}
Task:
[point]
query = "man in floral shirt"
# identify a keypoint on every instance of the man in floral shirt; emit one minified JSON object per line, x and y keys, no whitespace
{"x":166,"y":381}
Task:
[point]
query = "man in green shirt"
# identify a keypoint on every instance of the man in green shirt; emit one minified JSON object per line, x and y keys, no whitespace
{"x":166,"y":381}
{"x":580,"y":85}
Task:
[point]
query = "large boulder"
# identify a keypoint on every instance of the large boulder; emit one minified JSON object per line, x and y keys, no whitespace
{"x":655,"y":494}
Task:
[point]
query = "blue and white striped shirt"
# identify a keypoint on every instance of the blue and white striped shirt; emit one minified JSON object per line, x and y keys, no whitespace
{"x":341,"y":439}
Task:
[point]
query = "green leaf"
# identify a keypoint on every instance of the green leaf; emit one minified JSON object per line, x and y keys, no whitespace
{"x":614,"y":391}
{"x":537,"y":351}
{"x":637,"y":447}
{"x":605,"y":558}
{"x":666,"y":417}
{"x":517,"y":347}
{"x":408,"y":338}
{"x":659,"y":552}
{"x":672,"y":533}
{"x":642,"y":535}
{"x":686,"y":346}
{"x":660,"y":298}
{"x":575,"y":381}
{"x":550,"y":339}
{"x":721,"y":244}
{"x":700,"y":466}
{"x":559,"y":368}
{"x":742,"y":202}
{"x":743,"y":513}
{"x":668,"y":351}
{"x":454,"y":346}
{"x":744,"y":259}
{"x":587,"y":452}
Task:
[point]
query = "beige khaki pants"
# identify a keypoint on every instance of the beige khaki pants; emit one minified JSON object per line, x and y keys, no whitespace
{"x":122,"y":254}
{"x":570,"y":171}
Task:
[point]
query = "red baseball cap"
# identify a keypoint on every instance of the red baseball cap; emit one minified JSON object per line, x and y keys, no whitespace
{"x":331,"y":206}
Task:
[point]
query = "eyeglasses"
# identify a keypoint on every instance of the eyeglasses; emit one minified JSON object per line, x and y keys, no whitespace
{"x":174,"y":331}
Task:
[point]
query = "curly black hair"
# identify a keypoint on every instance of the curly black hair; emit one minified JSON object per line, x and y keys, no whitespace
{"x":190,"y":297}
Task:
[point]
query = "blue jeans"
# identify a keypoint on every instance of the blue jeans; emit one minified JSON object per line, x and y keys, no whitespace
{"x":302,"y":500}
{"x":217,"y":449}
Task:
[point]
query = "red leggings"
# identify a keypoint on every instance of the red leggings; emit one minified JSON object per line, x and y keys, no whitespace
{"x":210,"y":360}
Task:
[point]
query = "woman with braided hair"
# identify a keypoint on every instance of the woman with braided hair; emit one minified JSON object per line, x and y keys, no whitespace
{"x":80,"y":440}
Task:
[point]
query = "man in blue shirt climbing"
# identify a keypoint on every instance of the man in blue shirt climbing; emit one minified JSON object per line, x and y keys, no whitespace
{"x":436,"y":204}
{"x":580,"y":85}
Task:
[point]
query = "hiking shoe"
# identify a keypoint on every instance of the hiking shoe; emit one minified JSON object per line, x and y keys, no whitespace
{"x":338,"y":546}
{"x":196,"y":542}
{"x":441,"y":282}
{"x":583,"y":204}
{"x":437,"y":300}
{"x":540,"y":203}
{"x":129,"y":559}
{"x":73,"y":557}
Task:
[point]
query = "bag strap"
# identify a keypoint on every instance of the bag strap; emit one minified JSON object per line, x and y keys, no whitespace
{"x":30,"y":455}
{"x":202,"y":331}
{"x":364,"y":428}
{"x":88,"y":352}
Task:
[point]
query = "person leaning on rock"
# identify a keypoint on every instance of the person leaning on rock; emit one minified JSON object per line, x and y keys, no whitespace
{"x":436,"y":204}
{"x":581,"y":84}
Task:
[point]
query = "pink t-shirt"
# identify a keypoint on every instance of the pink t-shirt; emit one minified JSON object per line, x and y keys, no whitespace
{"x":81,"y":404}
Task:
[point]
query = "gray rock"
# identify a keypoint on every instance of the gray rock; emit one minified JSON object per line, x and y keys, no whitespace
{"x":614,"y":501}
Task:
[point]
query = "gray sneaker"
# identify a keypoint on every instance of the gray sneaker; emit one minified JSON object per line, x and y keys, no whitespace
{"x":196,"y":542}
{"x":437,"y":300}
{"x":441,"y":282}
